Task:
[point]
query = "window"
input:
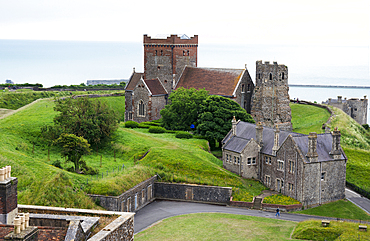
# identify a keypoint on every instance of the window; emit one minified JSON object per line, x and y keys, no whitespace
{"x":156,"y":53}
{"x":161,"y":52}
{"x":253,"y":160}
{"x":249,"y":87}
{"x":183,"y":53}
{"x":149,"y":192}
{"x":323,"y":176}
{"x":259,"y":76}
{"x":130,"y":115}
{"x":188,"y":52}
{"x":243,"y":88}
{"x":267,"y":180}
{"x":282,"y":75}
{"x":270,"y":76}
{"x":280,"y":165}
{"x":266,"y":160}
{"x":291,"y":166}
{"x":234,"y":159}
{"x":227,"y":157}
{"x":269,"y":160}
{"x":141,"y":108}
{"x":128,"y":204}
{"x":290,"y":186}
{"x":142,"y":196}
{"x":249,"y":161}
{"x":238,"y":158}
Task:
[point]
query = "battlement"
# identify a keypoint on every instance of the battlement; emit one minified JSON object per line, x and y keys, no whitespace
{"x":171,"y":40}
{"x":274,"y":63}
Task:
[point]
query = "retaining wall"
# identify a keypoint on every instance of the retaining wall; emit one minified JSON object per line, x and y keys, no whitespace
{"x":193,"y":193}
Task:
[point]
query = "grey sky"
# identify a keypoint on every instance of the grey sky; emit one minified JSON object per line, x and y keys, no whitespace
{"x":323,"y":22}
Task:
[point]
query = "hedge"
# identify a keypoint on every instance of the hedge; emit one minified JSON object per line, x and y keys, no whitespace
{"x":156,"y":129}
{"x":183,"y":135}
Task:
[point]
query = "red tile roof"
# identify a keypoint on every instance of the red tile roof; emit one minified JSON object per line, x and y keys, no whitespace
{"x":218,"y":81}
{"x":155,"y":86}
{"x":135,"y":77}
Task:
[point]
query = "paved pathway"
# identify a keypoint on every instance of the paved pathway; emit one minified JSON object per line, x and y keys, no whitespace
{"x":357,"y":199}
{"x":159,"y":210}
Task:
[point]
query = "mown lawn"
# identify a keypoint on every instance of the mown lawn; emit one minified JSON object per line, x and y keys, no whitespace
{"x":340,"y":209}
{"x":216,"y":226}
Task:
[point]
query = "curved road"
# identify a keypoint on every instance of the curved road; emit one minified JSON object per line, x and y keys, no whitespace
{"x":159,"y":210}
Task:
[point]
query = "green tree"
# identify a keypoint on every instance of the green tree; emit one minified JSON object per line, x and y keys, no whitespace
{"x":214,"y":121}
{"x":90,"y":119}
{"x":73,"y":147}
{"x":184,"y":108}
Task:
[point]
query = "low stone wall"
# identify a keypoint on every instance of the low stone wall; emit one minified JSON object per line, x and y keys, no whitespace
{"x":241,"y":204}
{"x":193,"y":193}
{"x":129,"y":201}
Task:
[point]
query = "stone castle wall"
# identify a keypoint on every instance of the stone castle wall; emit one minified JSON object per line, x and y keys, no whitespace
{"x":270,"y":101}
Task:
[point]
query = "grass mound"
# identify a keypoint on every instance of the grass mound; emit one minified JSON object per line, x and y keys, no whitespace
{"x":308,"y":118}
{"x":312,"y":230}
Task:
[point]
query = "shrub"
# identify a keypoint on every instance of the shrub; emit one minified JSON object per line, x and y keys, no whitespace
{"x":151,"y":123}
{"x":157,"y":129}
{"x":143,"y":125}
{"x":183,"y":135}
{"x":171,"y":131}
{"x":131,"y":124}
{"x":200,"y":137}
{"x":58,"y":164}
{"x":366,"y":126}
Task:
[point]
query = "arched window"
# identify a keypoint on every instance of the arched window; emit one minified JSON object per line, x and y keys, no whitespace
{"x":188,"y":52}
{"x":141,"y":108}
{"x":282,"y":75}
{"x":259,"y":76}
{"x":183,"y":53}
{"x":156,"y":53}
{"x":270,"y":76}
{"x":161,"y":52}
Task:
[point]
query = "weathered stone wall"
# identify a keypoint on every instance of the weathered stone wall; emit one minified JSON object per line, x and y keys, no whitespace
{"x":140,"y":93}
{"x":128,"y":105}
{"x":359,"y":110}
{"x":311,"y":184}
{"x":270,"y":101}
{"x":229,"y":163}
{"x":131,"y":200}
{"x":120,"y":229}
{"x":249,"y":169}
{"x":334,"y":183}
{"x":193,"y":193}
{"x":155,"y":105}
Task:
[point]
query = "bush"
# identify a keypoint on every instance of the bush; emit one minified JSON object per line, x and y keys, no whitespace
{"x":183,"y":135}
{"x":143,"y":125}
{"x":366,"y":126}
{"x":58,"y":164}
{"x":131,"y":124}
{"x":157,"y":129}
{"x":171,"y":131}
{"x":151,"y":123}
{"x":200,"y":137}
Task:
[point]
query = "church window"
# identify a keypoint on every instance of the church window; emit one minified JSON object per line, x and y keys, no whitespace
{"x":242,"y":88}
{"x":270,"y":76}
{"x":141,"y":108}
{"x":130,"y":115}
{"x":238,"y":158}
{"x":234,"y":159}
{"x":188,"y":52}
{"x":161,"y":52}
{"x":156,"y":53}
{"x":183,"y":53}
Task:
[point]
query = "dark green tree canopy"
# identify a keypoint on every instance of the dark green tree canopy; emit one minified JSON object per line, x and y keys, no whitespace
{"x":184,"y":108}
{"x":87,"y":118}
{"x":214,"y":121}
{"x":73,"y":147}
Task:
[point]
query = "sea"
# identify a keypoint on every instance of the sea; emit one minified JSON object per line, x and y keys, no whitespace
{"x":74,"y":62}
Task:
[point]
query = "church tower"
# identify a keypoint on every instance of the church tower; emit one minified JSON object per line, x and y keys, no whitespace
{"x":165,"y":58}
{"x":270,"y":101}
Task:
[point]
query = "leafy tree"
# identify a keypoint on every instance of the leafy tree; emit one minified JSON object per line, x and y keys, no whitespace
{"x":184,"y":108}
{"x":90,"y":119}
{"x":73,"y":147}
{"x":214,"y":121}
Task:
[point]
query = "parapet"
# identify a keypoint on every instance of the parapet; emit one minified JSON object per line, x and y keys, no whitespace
{"x":171,"y":40}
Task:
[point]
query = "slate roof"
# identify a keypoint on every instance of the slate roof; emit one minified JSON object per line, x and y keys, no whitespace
{"x":218,"y":81}
{"x":155,"y":87}
{"x":135,"y":77}
{"x":246,"y":131}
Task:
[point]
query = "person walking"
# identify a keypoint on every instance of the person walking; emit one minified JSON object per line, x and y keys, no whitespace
{"x":277,"y":212}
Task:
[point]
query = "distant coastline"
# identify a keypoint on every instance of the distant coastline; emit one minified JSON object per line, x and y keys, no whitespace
{"x":332,"y":86}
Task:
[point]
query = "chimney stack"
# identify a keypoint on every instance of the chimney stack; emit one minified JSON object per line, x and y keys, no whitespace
{"x":233,"y":122}
{"x":259,"y":134}
{"x":312,"y":147}
{"x":8,"y":196}
{"x":335,"y":149}
{"x":276,"y":140}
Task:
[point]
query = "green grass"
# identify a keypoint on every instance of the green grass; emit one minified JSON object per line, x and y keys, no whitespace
{"x":312,"y":230}
{"x":280,"y":199}
{"x":340,"y":209}
{"x":308,"y":118}
{"x":358,"y":167}
{"x":216,"y":226}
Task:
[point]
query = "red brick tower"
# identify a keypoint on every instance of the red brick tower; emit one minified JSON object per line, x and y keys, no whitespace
{"x":166,"y":58}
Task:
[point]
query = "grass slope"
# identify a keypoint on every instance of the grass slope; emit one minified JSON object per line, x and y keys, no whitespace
{"x":308,"y":118}
{"x":215,"y":226}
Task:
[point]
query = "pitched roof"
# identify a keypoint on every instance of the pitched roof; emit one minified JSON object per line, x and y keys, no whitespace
{"x":155,"y":86}
{"x":135,"y":77}
{"x":216,"y":80}
{"x":246,"y":131}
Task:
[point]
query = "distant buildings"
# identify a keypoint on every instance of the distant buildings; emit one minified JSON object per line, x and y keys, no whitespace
{"x":355,"y":108}
{"x":8,"y":81}
{"x":106,"y":82}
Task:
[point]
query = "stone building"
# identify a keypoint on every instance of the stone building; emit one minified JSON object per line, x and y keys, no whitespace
{"x":173,"y":62}
{"x":310,"y":169}
{"x":355,"y":108}
{"x":270,"y":101}
{"x":106,"y":82}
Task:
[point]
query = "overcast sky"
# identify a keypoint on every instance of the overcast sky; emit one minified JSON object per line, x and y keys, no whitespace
{"x":324,"y":22}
